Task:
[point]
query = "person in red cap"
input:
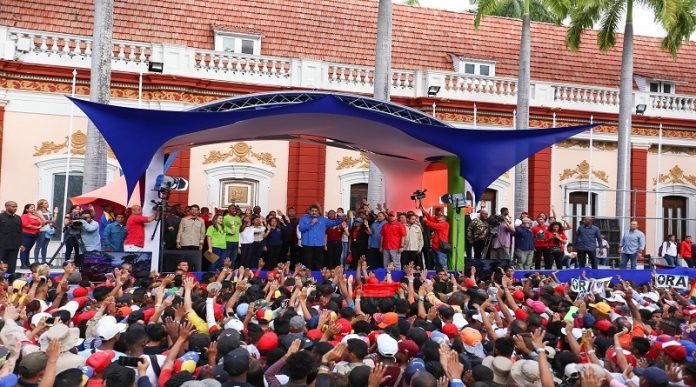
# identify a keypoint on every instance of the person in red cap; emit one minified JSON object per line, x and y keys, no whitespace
{"x":393,"y":239}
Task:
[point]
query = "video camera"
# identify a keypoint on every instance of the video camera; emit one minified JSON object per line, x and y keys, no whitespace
{"x":457,"y":200}
{"x":74,"y":227}
{"x":419,"y":194}
{"x":165,"y":184}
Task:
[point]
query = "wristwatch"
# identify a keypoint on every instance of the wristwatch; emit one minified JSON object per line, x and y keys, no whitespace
{"x":540,"y":350}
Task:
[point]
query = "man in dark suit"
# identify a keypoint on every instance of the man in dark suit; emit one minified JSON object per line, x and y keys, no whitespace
{"x":10,"y":236}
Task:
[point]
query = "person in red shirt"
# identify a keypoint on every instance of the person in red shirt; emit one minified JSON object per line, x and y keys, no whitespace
{"x":333,"y":246}
{"x":31,"y":224}
{"x":393,"y":235}
{"x":541,"y":247}
{"x":556,"y":241}
{"x":440,"y":233}
{"x":135,"y":228}
{"x":685,"y":251}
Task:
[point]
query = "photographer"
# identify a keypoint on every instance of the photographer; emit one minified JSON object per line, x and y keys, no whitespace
{"x":478,"y":232}
{"x":502,"y":228}
{"x":89,"y":232}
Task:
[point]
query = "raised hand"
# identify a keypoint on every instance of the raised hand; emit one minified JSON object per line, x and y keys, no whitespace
{"x":294,"y":347}
{"x":377,"y":375}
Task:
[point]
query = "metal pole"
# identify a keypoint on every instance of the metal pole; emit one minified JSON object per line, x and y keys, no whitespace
{"x":434,"y":109}
{"x":658,"y":235}
{"x":514,"y":118}
{"x":553,"y":163}
{"x":140,"y":89}
{"x":589,"y":176}
{"x":475,"y":116}
{"x":69,"y":144}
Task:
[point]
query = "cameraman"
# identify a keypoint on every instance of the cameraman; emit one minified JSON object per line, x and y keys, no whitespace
{"x":502,"y":228}
{"x":89,"y":233}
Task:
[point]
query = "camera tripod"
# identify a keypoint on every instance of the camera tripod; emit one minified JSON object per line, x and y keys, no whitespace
{"x":77,"y":242}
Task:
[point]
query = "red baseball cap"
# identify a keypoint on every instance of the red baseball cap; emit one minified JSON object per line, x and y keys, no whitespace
{"x":409,"y":347}
{"x":518,"y":295}
{"x":450,"y":330}
{"x":603,"y":325}
{"x":79,"y":292}
{"x":469,"y":283}
{"x":267,"y":342}
{"x":521,"y":314}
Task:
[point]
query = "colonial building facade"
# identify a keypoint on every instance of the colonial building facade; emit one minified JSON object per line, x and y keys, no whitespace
{"x":218,"y":49}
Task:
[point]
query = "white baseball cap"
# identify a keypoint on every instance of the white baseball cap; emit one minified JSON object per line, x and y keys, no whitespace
{"x":108,"y":327}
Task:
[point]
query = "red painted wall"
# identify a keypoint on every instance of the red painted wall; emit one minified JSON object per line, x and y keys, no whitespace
{"x":639,"y":181}
{"x":539,"y":183}
{"x":306,"y":175}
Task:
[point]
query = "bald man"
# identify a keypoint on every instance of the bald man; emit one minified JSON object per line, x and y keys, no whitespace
{"x":135,"y":229}
{"x":10,"y":236}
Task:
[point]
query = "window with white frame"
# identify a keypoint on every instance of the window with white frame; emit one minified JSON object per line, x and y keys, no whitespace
{"x":238,"y":43}
{"x":665,"y":87}
{"x":486,"y":69}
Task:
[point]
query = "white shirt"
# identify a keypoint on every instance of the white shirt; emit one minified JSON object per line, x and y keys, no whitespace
{"x":603,"y":249}
{"x":669,"y":248}
{"x":246,"y":236}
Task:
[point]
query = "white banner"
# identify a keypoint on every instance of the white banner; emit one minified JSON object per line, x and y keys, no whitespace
{"x":581,"y":286}
{"x":680,"y":282}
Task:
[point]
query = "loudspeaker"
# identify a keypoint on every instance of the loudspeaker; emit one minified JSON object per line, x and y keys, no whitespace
{"x":171,"y":258}
{"x":486,"y":267}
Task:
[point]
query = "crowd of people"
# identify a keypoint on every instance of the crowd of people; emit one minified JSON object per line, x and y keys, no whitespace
{"x":283,"y":326}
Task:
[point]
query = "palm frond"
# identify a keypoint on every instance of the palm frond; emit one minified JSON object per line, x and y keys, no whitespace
{"x":483,"y":8}
{"x":560,"y":9}
{"x":415,"y":3}
{"x":665,"y":11}
{"x":582,"y":17}
{"x":682,"y":27}
{"x":508,"y":8}
{"x":606,"y":37}
{"x":540,"y":13}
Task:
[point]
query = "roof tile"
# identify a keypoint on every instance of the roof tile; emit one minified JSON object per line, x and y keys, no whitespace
{"x":345,"y":31}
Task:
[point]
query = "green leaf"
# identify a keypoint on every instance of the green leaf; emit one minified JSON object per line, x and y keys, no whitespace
{"x":606,"y":37}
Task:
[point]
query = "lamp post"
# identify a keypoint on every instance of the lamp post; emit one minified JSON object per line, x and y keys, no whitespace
{"x":432,"y":92}
{"x":152,"y":67}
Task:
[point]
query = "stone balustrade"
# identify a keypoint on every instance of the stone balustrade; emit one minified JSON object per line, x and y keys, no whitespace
{"x":75,"y":51}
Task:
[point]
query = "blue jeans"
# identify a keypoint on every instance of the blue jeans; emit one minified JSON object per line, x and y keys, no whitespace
{"x":28,"y":241}
{"x":231,"y":252}
{"x":344,"y":254}
{"x":626,"y":257}
{"x":218,"y":264}
{"x":41,"y":247}
{"x":671,"y":259}
{"x":440,"y":259}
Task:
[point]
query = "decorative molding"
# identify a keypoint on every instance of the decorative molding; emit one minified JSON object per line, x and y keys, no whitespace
{"x":582,"y":172}
{"x":678,"y":150}
{"x":362,"y":162}
{"x":78,"y":142}
{"x":598,"y":145}
{"x":239,"y":153}
{"x":675,"y":175}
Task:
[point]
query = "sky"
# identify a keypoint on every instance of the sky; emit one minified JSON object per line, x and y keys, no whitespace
{"x":642,"y":20}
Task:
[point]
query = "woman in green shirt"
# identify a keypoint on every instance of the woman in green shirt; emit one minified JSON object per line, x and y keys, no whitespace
{"x":217,"y":241}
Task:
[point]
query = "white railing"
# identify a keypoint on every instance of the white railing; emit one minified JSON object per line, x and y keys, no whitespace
{"x":672,"y":102}
{"x":586,"y":95}
{"x":62,"y":49}
{"x":75,"y":51}
{"x":242,"y":67}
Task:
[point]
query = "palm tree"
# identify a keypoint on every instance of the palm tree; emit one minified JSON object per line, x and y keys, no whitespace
{"x":99,"y":91}
{"x":412,"y":2}
{"x":522,"y":9}
{"x":678,"y":20}
{"x":382,"y":84}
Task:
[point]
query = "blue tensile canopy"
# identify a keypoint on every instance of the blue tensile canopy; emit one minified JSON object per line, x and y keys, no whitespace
{"x":401,"y":141}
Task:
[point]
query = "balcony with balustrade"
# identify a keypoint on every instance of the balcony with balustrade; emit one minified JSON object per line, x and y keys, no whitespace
{"x":75,"y":51}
